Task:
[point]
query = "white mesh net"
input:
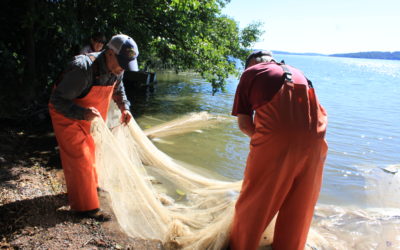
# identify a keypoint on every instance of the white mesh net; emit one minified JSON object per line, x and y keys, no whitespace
{"x":154,"y":196}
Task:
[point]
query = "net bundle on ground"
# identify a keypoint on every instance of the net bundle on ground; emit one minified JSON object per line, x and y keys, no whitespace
{"x":155,"y":197}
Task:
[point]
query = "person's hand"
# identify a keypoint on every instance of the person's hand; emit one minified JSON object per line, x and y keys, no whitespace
{"x":126,"y":117}
{"x":91,"y":113}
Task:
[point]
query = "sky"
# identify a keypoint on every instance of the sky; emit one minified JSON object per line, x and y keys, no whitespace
{"x":322,"y":26}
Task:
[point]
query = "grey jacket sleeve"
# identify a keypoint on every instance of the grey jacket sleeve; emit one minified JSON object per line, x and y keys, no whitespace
{"x":119,"y":96}
{"x":74,"y":81}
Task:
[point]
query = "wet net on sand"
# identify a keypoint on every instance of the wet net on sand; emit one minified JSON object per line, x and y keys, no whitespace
{"x":155,"y":197}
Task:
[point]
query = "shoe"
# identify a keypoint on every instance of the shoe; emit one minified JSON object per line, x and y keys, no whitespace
{"x":96,"y":214}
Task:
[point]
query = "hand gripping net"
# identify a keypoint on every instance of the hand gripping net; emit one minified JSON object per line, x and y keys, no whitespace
{"x":154,"y":196}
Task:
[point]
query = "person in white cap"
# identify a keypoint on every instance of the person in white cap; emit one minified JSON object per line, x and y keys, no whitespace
{"x":82,"y":92}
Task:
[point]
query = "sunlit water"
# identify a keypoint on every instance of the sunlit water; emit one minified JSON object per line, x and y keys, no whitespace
{"x":362,"y":97}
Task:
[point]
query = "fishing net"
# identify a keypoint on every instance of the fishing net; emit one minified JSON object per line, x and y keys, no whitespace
{"x":188,"y":123}
{"x":156,"y":197}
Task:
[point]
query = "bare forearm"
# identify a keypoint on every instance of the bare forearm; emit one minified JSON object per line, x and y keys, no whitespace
{"x":248,"y":131}
{"x":246,"y":124}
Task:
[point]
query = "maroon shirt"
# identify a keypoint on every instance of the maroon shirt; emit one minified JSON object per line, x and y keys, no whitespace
{"x":258,"y":85}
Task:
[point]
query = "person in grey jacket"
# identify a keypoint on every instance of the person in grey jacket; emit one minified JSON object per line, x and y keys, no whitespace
{"x":82,"y":93}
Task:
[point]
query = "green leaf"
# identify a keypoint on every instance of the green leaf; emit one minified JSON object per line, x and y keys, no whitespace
{"x":180,"y":192}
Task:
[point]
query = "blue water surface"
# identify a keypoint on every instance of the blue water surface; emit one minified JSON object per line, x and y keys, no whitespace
{"x":361,"y":97}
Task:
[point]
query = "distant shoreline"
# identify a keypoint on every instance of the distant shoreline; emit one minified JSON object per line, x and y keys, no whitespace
{"x":368,"y":55}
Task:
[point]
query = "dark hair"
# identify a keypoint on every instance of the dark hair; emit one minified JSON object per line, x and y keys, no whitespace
{"x":99,"y":37}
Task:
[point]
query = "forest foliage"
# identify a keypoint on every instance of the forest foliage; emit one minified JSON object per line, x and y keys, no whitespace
{"x":39,"y":36}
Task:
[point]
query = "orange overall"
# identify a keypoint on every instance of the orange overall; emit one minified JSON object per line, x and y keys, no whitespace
{"x":283,"y":171}
{"x":77,"y":149}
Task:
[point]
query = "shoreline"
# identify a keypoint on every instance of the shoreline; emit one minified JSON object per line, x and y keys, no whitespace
{"x":33,"y":201}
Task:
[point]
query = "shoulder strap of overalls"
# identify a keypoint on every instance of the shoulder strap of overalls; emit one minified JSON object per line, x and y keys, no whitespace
{"x":95,"y":65}
{"x":287,"y":75}
{"x":95,"y":75}
{"x":96,"y":70}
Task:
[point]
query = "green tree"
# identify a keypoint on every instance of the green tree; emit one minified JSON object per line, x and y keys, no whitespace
{"x":39,"y":36}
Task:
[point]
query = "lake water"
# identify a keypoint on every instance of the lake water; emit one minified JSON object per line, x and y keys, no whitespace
{"x":359,"y":200}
